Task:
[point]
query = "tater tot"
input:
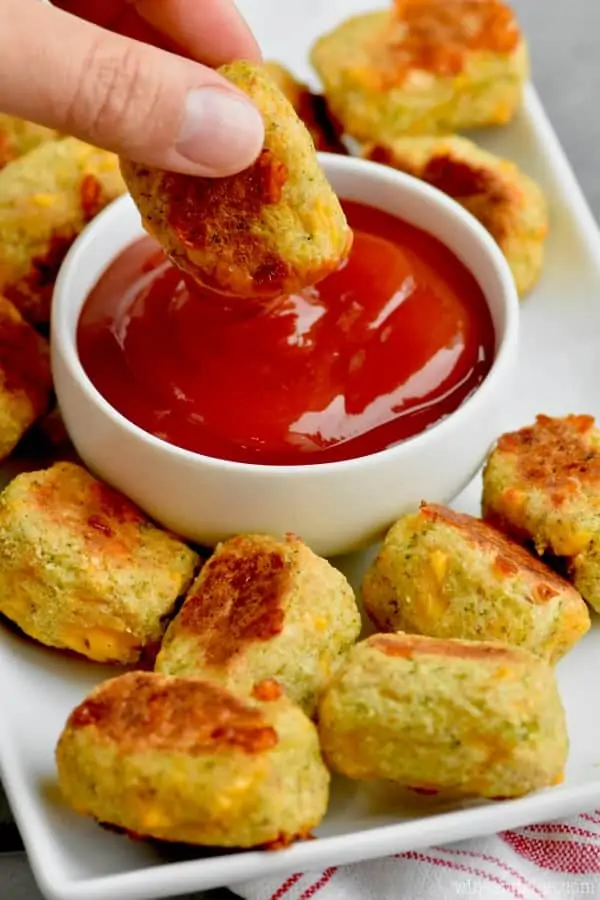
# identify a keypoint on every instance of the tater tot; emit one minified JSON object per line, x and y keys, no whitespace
{"x":272,"y":229}
{"x":181,"y":759}
{"x":541,"y":485}
{"x":423,"y":68}
{"x":459,"y":717}
{"x":445,"y":574}
{"x":82,"y":569}
{"x":506,"y":201}
{"x":264,"y":608}
{"x":46,"y":199}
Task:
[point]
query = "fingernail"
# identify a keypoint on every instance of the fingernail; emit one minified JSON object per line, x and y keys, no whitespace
{"x":222,"y":131}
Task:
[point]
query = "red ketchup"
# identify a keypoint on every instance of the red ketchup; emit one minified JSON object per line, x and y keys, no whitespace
{"x":381,"y":350}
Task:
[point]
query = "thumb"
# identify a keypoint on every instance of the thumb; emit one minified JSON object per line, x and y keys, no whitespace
{"x":136,"y":100}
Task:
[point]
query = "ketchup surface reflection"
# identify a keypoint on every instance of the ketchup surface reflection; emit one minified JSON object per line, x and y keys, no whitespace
{"x":382,"y":349}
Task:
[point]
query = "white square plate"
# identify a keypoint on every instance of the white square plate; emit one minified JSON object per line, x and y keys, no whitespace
{"x":72,"y":858}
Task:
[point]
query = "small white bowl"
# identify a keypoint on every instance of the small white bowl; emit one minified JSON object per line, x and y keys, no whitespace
{"x":335,"y":507}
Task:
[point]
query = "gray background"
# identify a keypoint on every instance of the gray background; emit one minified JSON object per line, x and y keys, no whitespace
{"x":565,"y":37}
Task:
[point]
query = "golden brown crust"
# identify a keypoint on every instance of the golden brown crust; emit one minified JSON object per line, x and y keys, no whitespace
{"x":463,"y":181}
{"x":440,"y":34}
{"x":107,"y":520}
{"x":504,"y":199}
{"x":511,"y":558}
{"x":221,"y":223}
{"x":238,"y":599}
{"x":555,"y":456}
{"x":283,"y":841}
{"x":409,"y":646}
{"x":144,"y":711}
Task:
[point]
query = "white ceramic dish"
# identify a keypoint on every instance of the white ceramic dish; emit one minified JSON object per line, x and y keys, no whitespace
{"x":559,"y":371}
{"x":335,"y":507}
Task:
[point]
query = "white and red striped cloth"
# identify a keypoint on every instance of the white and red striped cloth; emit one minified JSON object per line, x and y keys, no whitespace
{"x":555,"y":861}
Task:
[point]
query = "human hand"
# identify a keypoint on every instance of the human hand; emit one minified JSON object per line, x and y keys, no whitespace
{"x":129,"y":78}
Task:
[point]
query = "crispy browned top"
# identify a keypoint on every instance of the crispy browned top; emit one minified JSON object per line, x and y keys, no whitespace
{"x":457,"y":178}
{"x":267,"y":690}
{"x":144,"y":711}
{"x":461,"y":180}
{"x":555,"y":455}
{"x":510,"y":558}
{"x":105,"y":519}
{"x":208,"y":213}
{"x":24,"y":357}
{"x":440,"y":33}
{"x":408,"y":646}
{"x":238,"y":598}
{"x":491,"y":193}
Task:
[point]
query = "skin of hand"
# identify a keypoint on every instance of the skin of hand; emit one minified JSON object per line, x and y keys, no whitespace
{"x":134,"y":77}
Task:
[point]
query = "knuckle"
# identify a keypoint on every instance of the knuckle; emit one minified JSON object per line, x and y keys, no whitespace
{"x":115,"y":95}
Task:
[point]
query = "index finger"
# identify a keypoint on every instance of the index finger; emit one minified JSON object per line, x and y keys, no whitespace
{"x":212,"y":31}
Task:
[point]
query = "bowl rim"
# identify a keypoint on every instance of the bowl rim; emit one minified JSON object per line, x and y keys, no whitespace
{"x":63,"y":336}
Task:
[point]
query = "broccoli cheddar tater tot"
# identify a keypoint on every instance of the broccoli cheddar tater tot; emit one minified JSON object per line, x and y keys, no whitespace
{"x":448,"y":575}
{"x":181,"y":759}
{"x":82,"y":569}
{"x":264,"y":608}
{"x":505,"y":200}
{"x":541,"y":485}
{"x":462,"y":717}
{"x":274,"y":228}
{"x":46,"y":199}
{"x":425,"y":67}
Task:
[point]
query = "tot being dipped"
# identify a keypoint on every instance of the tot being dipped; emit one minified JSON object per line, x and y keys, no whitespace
{"x":181,"y":759}
{"x":505,"y":200}
{"x":263,"y":608}
{"x":272,"y":229}
{"x":82,"y":569}
{"x":423,"y":67}
{"x":541,"y":485}
{"x":448,"y":575}
{"x":459,"y":717}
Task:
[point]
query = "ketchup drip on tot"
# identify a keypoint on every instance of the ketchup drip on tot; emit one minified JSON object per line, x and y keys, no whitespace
{"x":388,"y":345}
